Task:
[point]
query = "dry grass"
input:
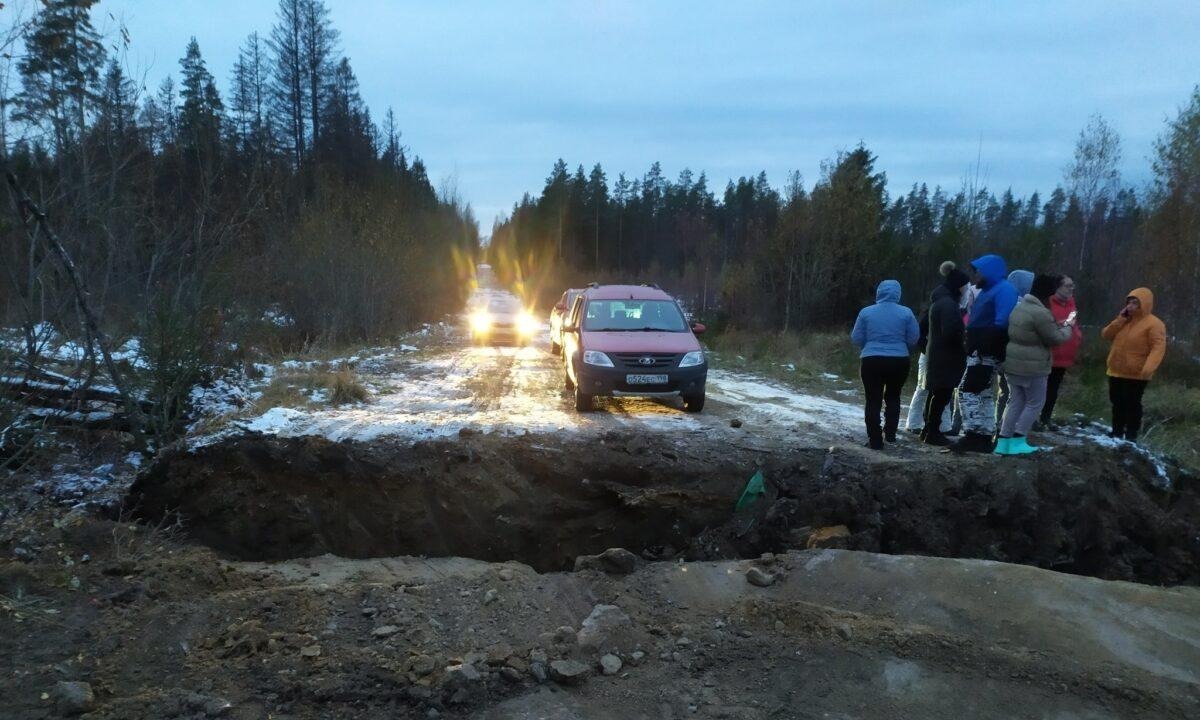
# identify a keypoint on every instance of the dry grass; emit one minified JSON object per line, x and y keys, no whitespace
{"x":345,"y":388}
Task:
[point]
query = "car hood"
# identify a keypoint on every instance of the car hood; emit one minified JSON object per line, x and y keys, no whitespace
{"x":645,"y":342}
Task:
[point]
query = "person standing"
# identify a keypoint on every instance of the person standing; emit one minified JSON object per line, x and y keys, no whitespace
{"x":887,"y":332}
{"x":1139,"y":342}
{"x":1062,"y":305}
{"x":915,"y":422}
{"x":1032,"y":333}
{"x":944,"y":353}
{"x":987,"y":335}
{"x":1022,"y":281}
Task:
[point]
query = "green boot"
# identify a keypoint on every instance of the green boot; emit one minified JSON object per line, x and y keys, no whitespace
{"x":1003,"y":446}
{"x":1020,"y":446}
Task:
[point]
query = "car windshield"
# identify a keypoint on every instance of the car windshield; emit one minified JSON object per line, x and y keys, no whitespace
{"x":503,"y":307}
{"x":633,"y":316}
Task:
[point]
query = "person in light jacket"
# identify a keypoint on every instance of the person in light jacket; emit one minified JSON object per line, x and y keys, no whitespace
{"x":887,"y":332}
{"x":1139,"y":342}
{"x":1032,"y":334}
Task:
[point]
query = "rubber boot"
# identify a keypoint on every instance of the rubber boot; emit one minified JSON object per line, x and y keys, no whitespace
{"x":1019,"y":445}
{"x":1003,"y":446}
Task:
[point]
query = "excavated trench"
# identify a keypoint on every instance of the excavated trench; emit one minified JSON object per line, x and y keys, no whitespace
{"x":544,"y":500}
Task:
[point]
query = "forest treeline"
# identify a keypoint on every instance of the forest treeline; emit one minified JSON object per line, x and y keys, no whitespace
{"x":809,"y":256}
{"x":193,"y":213}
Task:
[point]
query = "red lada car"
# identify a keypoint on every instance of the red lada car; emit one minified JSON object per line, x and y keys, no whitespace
{"x":632,"y":340}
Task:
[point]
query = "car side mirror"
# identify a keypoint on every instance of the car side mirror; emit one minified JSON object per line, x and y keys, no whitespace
{"x":561,"y":307}
{"x":698,"y":328}
{"x":570,"y":328}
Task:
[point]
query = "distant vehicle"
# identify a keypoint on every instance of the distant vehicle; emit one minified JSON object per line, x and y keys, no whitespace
{"x":632,"y":340}
{"x":557,"y":315}
{"x":502,"y":320}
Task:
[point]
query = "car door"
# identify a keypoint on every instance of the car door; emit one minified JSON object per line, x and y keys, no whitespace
{"x":572,"y":341}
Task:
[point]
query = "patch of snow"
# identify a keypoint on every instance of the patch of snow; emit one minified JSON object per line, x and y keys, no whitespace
{"x":408,"y":348}
{"x":277,"y":317}
{"x":223,"y":396}
{"x":830,"y":376}
{"x":65,"y":486}
{"x":1097,"y":434}
{"x":135,"y":460}
{"x":781,"y":403}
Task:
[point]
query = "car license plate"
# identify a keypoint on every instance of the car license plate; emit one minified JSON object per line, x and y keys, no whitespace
{"x":646,"y":379}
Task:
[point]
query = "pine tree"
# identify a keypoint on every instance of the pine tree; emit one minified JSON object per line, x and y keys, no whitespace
{"x":60,"y":70}
{"x":248,"y":99}
{"x":289,"y":90}
{"x":200,"y":112}
{"x":116,"y":108}
{"x":318,"y":43}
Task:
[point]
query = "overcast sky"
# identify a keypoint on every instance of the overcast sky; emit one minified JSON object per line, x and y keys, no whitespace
{"x":491,"y":93}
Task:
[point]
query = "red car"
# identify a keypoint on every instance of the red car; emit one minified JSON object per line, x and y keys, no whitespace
{"x":556,"y":318}
{"x":632,"y":340}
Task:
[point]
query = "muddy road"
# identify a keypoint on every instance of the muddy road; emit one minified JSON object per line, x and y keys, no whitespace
{"x":466,"y":545}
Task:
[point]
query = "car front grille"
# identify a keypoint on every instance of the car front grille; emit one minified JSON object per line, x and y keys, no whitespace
{"x":634,"y":361}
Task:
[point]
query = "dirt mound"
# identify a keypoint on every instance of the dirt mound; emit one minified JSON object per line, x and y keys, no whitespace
{"x":1079,"y":510}
{"x":532,"y":499}
{"x":544,"y":501}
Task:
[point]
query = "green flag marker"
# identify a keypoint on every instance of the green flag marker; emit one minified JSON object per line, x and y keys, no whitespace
{"x":754,"y":490}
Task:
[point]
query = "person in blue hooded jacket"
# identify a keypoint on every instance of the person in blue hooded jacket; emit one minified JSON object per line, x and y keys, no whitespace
{"x":887,"y":332}
{"x":987,"y":336}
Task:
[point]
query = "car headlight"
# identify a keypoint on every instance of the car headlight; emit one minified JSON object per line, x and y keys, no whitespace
{"x":595,"y":357}
{"x":527,"y":324}
{"x":481,"y":322}
{"x":692,"y":359}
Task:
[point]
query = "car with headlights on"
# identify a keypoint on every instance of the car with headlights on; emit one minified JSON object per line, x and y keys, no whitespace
{"x":622,"y":340}
{"x":503,"y":320}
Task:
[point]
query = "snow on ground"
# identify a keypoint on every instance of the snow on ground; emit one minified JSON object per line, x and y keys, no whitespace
{"x":782,"y":403}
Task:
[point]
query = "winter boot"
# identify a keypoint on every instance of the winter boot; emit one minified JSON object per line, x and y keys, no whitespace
{"x":1020,"y":446}
{"x":972,"y":442}
{"x":875,"y":443}
{"x":890,"y":436}
{"x":935,"y":437}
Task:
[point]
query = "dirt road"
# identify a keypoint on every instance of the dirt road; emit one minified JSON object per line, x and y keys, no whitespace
{"x":450,"y":549}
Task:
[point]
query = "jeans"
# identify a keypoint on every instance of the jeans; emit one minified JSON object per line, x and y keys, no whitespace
{"x":918,"y":406}
{"x":1126,"y":398}
{"x":1052,"y":386}
{"x":883,"y":380}
{"x":1027,"y":394}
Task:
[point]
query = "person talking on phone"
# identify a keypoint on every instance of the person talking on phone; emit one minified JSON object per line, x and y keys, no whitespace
{"x":1062,"y":306}
{"x":1139,"y":341}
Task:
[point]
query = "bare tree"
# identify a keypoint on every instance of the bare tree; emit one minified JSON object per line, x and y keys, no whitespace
{"x":1093,"y":177}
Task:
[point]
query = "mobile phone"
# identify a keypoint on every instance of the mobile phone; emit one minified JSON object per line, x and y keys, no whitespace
{"x":1071,"y":316}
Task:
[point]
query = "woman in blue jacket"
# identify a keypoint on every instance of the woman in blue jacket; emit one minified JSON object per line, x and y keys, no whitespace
{"x":887,"y":332}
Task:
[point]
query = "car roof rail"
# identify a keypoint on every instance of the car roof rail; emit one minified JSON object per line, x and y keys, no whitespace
{"x":593,"y":284}
{"x":652,"y":285}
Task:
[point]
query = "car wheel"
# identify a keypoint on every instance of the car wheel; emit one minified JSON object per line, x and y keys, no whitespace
{"x":693,"y":403}
{"x":583,"y":401}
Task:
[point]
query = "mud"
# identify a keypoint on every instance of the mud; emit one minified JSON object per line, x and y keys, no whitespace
{"x":543,"y":500}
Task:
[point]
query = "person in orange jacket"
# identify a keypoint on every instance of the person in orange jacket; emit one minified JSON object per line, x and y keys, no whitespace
{"x":1139,"y":341}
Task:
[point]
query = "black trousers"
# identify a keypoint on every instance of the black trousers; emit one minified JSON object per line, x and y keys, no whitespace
{"x":1126,"y":398}
{"x":935,"y":405}
{"x":883,"y":380}
{"x":1052,"y":385}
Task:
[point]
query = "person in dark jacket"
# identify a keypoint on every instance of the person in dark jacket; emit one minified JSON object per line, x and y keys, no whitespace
{"x":915,"y":422}
{"x":987,"y":335}
{"x":887,"y":332}
{"x":946,"y":358}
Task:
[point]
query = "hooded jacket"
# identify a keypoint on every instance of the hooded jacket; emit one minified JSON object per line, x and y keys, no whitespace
{"x":1064,"y":355}
{"x":1138,"y":343}
{"x":1022,"y":282}
{"x":987,"y":325}
{"x":1032,"y":332}
{"x":945,"y":358}
{"x":887,"y":328}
